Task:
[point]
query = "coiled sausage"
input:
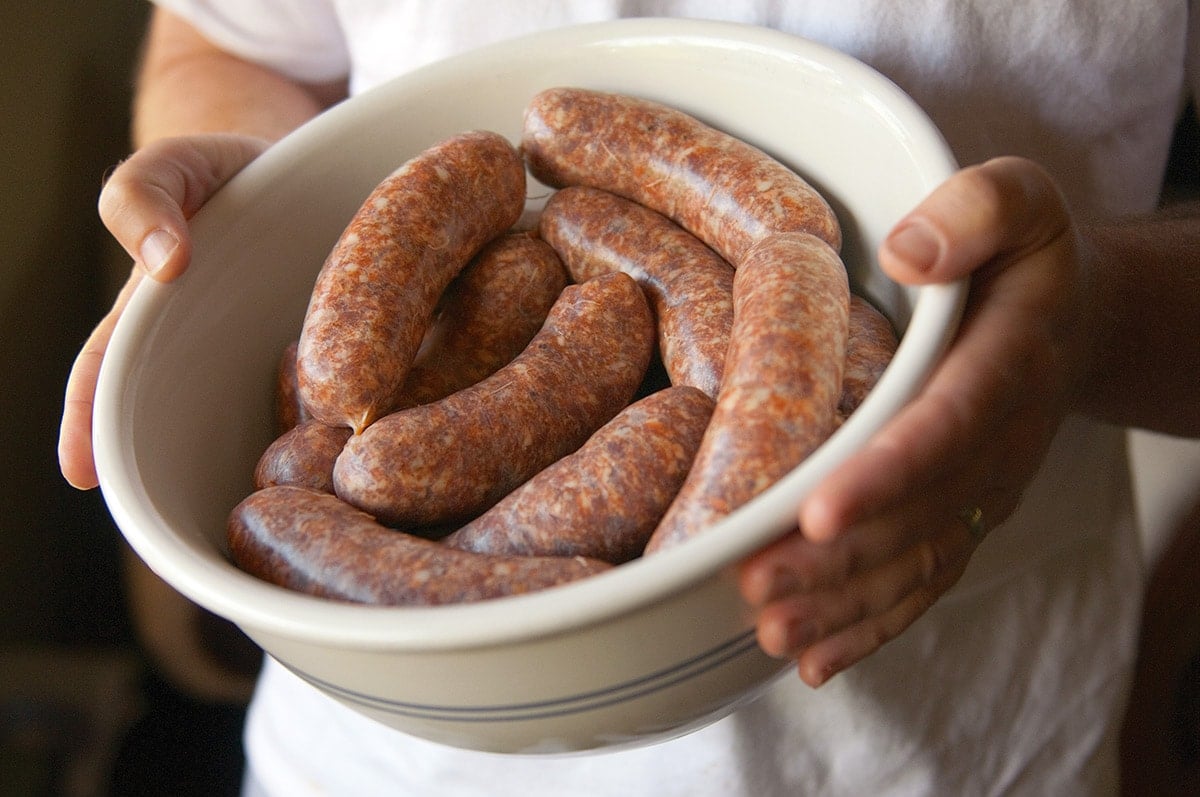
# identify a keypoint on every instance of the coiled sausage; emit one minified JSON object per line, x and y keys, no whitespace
{"x":604,"y":500}
{"x":375,"y":294}
{"x":452,"y":459}
{"x":723,"y":190}
{"x":689,"y":285}
{"x":783,"y":380}
{"x":313,"y":542}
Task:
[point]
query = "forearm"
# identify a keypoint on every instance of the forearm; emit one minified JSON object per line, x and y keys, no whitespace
{"x":1145,"y":369}
{"x":187,"y":85}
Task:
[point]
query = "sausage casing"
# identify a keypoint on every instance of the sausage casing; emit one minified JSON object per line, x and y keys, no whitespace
{"x":782,"y":383}
{"x":486,"y":316}
{"x":604,"y":500}
{"x":452,"y":459}
{"x":489,"y":313}
{"x":375,"y":294}
{"x":689,"y":285}
{"x":871,"y":344}
{"x":725,"y":191}
{"x":302,"y":456}
{"x":289,"y":410}
{"x":315,"y":543}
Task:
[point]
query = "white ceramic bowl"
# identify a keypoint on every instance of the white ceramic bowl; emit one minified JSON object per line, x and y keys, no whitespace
{"x":654,"y":648}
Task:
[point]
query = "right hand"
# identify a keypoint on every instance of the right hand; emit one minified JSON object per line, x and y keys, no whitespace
{"x":145,"y":204}
{"x":883,"y":537}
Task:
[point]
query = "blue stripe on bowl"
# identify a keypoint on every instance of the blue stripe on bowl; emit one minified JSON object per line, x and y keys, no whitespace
{"x":665,"y":678}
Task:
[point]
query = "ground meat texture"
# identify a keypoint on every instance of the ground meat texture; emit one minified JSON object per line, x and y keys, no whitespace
{"x":450,"y":460}
{"x":303,"y":456}
{"x":488,"y":315}
{"x":690,"y":286}
{"x":375,"y":295}
{"x":604,"y":500}
{"x":783,"y":380}
{"x":313,"y":542}
{"x":869,"y":350}
{"x":289,"y":411}
{"x":723,"y":190}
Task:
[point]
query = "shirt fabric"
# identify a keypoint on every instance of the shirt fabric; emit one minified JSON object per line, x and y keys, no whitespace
{"x":1013,"y":682}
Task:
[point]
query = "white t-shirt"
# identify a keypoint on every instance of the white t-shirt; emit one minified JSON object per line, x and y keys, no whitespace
{"x":1014,"y":682}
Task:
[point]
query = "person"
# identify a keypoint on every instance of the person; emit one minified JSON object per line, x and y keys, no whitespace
{"x":972,"y":577}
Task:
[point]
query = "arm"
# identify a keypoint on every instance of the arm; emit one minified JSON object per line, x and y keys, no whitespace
{"x":1129,"y":348}
{"x":187,"y":88}
{"x":200,"y":115}
{"x":1146,"y":365}
{"x":187,"y":85}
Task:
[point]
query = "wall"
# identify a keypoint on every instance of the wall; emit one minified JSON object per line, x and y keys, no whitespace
{"x":78,"y":700}
{"x":66,"y":90}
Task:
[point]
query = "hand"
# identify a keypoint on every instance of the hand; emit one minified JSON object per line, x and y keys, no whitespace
{"x":885,"y":535}
{"x":145,"y":204}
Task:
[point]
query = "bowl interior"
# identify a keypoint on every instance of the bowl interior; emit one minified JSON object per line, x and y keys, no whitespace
{"x":184,"y":403}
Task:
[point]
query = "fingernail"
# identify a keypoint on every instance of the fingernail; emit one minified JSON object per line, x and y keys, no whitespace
{"x":157,"y":249}
{"x":915,"y":244}
{"x":827,"y":672}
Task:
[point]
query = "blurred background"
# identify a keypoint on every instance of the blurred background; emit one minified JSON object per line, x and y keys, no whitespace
{"x":109,"y":683}
{"x":87,"y":704}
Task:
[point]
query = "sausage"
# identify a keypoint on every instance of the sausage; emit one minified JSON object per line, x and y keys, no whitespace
{"x":604,"y":500}
{"x":871,"y":344}
{"x":375,"y":294}
{"x":313,"y":542}
{"x":289,"y":410}
{"x":302,"y":456}
{"x":689,"y":285}
{"x":452,"y":459}
{"x":783,"y":380}
{"x":489,"y":314}
{"x":721,"y":189}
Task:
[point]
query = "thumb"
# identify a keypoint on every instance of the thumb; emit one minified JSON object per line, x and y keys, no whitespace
{"x":1005,"y":206}
{"x":146,"y":201}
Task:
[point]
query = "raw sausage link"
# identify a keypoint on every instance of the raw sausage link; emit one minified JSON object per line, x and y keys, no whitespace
{"x":604,"y":500}
{"x":452,"y":459}
{"x":690,"y":286}
{"x":315,"y":543}
{"x":302,"y":456}
{"x":723,"y":190}
{"x":489,"y":314}
{"x":375,"y":295}
{"x":869,"y":348}
{"x":289,"y":410}
{"x":782,"y":381}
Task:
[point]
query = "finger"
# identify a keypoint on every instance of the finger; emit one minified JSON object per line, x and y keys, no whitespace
{"x":1005,"y":205}
{"x":830,"y":656}
{"x":989,"y":482}
{"x":796,"y":564}
{"x":924,"y":442}
{"x":147,"y":200}
{"x":75,"y":454}
{"x":792,"y":623}
{"x":1007,"y":361}
{"x":826,"y":635}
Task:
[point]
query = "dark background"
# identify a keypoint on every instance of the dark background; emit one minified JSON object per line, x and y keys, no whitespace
{"x":83,"y":709}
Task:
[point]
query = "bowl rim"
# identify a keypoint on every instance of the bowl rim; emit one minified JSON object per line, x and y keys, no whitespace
{"x":259,"y":607}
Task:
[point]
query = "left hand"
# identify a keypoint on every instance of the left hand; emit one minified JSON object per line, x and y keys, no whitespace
{"x":889,"y":531}
{"x":148,"y":197}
